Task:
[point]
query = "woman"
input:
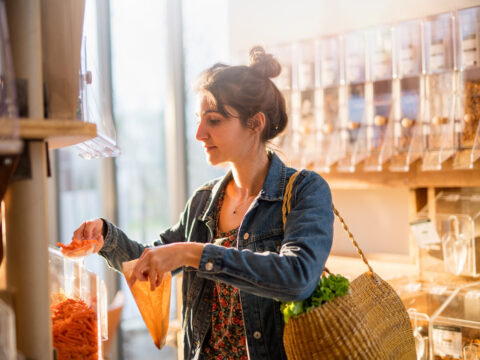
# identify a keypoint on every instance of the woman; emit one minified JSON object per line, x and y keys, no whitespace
{"x":238,"y":263}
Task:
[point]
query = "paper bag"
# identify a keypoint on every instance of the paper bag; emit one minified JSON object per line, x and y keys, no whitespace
{"x":153,"y":305}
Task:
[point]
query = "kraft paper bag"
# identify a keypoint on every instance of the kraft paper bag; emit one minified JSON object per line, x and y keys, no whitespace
{"x":153,"y":305}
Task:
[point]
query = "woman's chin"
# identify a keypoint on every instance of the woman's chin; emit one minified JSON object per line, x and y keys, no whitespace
{"x":212,"y":160}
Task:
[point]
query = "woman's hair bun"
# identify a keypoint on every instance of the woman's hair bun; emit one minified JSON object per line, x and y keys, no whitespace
{"x":266,"y":65}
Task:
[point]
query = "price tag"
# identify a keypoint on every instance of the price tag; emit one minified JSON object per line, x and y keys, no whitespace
{"x":437,"y":57}
{"x":469,"y":50}
{"x":425,"y":233}
{"x":447,"y":341}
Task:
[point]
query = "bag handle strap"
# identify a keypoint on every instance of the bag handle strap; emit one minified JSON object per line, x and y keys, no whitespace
{"x":286,"y":207}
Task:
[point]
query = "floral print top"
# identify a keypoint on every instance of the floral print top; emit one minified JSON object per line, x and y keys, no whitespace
{"x":227,"y":333}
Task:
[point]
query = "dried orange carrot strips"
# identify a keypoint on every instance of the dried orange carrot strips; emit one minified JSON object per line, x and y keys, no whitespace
{"x":76,"y":245}
{"x":75,"y":333}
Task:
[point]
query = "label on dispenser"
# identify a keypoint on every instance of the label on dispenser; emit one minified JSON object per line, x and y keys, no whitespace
{"x":354,"y":68}
{"x":425,"y":233}
{"x":469,"y":50}
{"x":407,"y":62}
{"x":437,"y":57}
{"x":328,"y":72}
{"x":305,"y":76}
{"x":382,"y":65}
{"x":447,"y":341}
{"x":284,"y":79}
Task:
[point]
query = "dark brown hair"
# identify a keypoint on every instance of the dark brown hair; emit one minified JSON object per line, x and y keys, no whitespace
{"x":248,"y":90}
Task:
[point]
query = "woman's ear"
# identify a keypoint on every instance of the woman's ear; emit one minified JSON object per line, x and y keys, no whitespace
{"x":257,"y":122}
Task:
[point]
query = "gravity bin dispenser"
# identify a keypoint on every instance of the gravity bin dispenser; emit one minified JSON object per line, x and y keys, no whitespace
{"x":445,"y":319}
{"x":287,"y":142}
{"x":76,"y":76}
{"x":330,"y":107}
{"x":379,"y":99}
{"x":454,"y":250}
{"x":305,"y":126}
{"x":407,"y":92}
{"x":438,"y":119}
{"x":78,"y":307}
{"x":467,"y":88}
{"x":353,"y":126}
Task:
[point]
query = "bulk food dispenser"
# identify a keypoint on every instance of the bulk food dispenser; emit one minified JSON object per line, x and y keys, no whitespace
{"x":407,"y":91}
{"x":467,"y":88}
{"x":456,"y":250}
{"x":304,"y":123}
{"x":438,"y":120}
{"x":78,"y":307}
{"x":330,"y":108}
{"x":352,"y":127}
{"x":379,"y":97}
{"x":94,"y":86}
{"x":445,"y":319}
{"x":444,"y":301}
{"x":10,"y":143}
{"x":284,"y":54}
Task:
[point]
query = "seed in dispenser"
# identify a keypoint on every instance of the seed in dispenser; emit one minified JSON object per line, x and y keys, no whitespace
{"x":352,"y":125}
{"x":439,"y":120}
{"x":468,"y":118}
{"x":305,"y":129}
{"x":406,"y":122}
{"x":380,"y":120}
{"x":327,"y":128}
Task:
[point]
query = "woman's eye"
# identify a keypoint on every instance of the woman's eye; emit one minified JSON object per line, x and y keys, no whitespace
{"x":214,"y":121}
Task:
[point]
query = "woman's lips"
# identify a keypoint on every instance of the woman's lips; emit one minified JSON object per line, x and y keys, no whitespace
{"x":209,"y":148}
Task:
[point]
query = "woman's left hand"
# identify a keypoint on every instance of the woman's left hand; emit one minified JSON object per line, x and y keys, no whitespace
{"x":156,"y":261}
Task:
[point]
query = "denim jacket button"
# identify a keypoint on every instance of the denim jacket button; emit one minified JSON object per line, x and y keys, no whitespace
{"x":209,"y":266}
{"x":245,"y":236}
{"x":257,"y":335}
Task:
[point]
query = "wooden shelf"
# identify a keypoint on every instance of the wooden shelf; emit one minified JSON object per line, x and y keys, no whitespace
{"x":58,"y":133}
{"x":415,"y":178}
{"x":388,"y":266}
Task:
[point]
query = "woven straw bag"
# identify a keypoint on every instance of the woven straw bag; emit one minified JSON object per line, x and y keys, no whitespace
{"x":369,"y":322}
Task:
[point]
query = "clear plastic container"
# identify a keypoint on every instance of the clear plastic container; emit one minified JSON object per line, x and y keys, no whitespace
{"x":445,"y":318}
{"x":78,"y":308}
{"x":284,"y":54}
{"x":407,"y":93}
{"x":9,"y":122}
{"x":438,"y":119}
{"x":467,"y":88}
{"x":8,"y":344}
{"x":379,"y":121}
{"x":422,"y":300}
{"x":352,"y":128}
{"x":457,"y":222}
{"x":455,"y":326}
{"x":305,"y":130}
{"x":94,"y":88}
{"x":331,"y":105}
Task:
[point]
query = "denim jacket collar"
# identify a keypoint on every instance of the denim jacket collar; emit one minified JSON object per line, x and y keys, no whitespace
{"x":272,"y":189}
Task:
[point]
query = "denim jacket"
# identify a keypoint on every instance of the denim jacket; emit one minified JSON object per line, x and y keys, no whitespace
{"x":268,"y":265}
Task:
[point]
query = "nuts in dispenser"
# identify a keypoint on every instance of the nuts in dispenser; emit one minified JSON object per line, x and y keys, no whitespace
{"x":472,"y":112}
{"x":380,"y":120}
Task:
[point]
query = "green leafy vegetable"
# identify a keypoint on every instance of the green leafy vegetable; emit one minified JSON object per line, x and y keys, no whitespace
{"x":327,"y":289}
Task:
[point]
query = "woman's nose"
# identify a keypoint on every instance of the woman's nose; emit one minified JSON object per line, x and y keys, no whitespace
{"x":201,"y":134}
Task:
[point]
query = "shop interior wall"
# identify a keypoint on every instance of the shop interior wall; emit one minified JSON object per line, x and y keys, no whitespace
{"x":377,"y":217}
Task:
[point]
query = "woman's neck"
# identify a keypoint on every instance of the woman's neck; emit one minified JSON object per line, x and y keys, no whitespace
{"x":249,"y":175}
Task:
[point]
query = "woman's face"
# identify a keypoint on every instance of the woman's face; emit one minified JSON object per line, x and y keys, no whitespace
{"x":224,"y":139}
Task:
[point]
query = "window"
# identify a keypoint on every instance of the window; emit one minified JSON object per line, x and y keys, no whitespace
{"x":138,"y":49}
{"x":205,"y":43}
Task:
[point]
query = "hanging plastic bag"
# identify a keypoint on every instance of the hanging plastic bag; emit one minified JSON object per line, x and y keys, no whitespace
{"x":153,"y":305}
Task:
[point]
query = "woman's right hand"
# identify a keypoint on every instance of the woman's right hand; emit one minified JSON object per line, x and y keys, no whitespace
{"x":91,"y":229}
